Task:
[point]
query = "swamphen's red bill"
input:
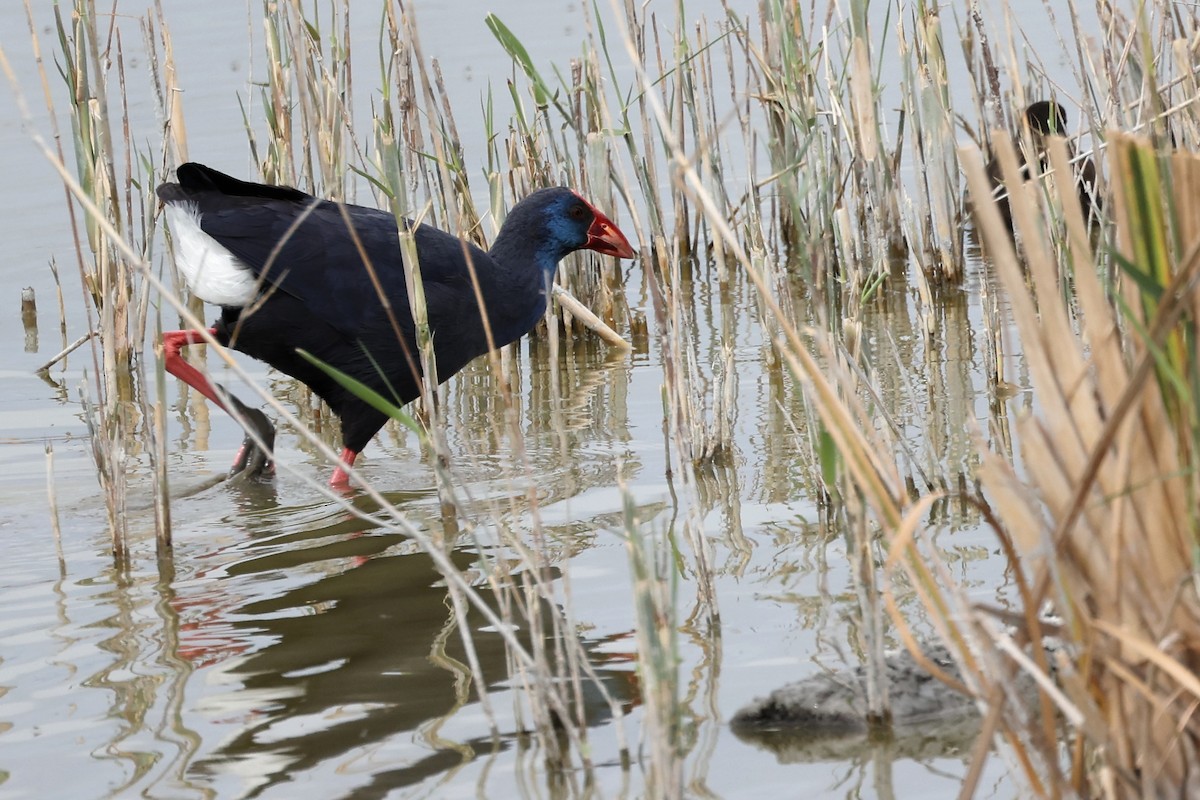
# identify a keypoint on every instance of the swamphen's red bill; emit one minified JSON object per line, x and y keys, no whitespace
{"x":605,"y":237}
{"x":294,"y":273}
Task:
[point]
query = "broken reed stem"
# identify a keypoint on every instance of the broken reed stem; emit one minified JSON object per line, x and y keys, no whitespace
{"x":589,"y":319}
{"x":66,"y":351}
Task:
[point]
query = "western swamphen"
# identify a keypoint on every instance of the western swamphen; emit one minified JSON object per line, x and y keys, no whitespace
{"x":1046,"y":118}
{"x":292,"y":272}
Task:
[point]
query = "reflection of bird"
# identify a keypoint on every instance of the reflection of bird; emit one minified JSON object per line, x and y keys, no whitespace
{"x":1047,"y":119}
{"x":292,"y":272}
{"x":335,"y":645}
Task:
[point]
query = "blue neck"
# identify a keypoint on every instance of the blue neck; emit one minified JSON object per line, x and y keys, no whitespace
{"x":525,"y":270}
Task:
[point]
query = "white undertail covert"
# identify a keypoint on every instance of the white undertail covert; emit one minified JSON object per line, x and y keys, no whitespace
{"x":213,"y":274}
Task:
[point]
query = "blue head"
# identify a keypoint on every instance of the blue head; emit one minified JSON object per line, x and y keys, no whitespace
{"x":552,"y":223}
{"x":538,"y":233}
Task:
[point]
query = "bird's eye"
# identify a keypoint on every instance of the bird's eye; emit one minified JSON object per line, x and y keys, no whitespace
{"x":577,"y":211}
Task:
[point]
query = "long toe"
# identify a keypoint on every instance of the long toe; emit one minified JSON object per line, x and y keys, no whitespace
{"x":254,"y":460}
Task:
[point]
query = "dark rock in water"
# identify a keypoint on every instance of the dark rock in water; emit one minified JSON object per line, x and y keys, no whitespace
{"x":824,"y":717}
{"x":837,"y":701}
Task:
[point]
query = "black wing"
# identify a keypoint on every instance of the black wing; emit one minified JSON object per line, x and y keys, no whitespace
{"x":324,"y":254}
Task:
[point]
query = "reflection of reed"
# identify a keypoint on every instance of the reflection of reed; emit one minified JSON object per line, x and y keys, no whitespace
{"x":585,"y":408}
{"x":173,"y":728}
{"x":130,"y":687}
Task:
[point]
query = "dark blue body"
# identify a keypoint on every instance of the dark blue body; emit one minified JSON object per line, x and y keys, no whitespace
{"x":318,"y":295}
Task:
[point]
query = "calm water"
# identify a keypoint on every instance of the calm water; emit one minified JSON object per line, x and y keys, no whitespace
{"x":295,"y":652}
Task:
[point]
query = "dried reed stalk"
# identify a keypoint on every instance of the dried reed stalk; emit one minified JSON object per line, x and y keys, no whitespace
{"x":1109,"y":532}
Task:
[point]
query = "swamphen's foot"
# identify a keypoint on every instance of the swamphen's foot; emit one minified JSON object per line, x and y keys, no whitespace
{"x":253,"y":462}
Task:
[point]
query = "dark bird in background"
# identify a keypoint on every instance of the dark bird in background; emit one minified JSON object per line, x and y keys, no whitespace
{"x":292,"y":272}
{"x":1046,"y":118}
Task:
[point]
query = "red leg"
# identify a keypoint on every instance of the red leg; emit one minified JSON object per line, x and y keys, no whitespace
{"x":340,"y":479}
{"x":173,"y":342}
